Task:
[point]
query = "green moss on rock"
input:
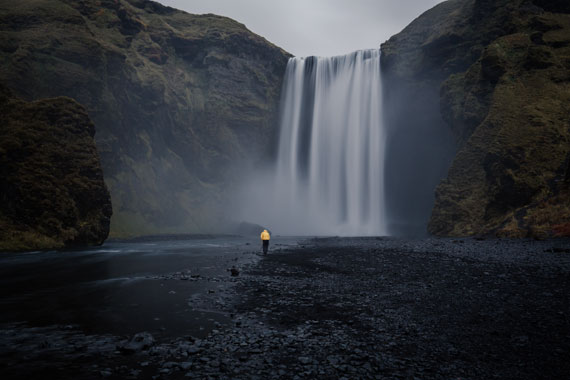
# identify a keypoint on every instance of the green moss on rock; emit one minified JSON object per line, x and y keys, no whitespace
{"x":508,"y":106}
{"x":182,"y":103}
{"x":52,"y":191}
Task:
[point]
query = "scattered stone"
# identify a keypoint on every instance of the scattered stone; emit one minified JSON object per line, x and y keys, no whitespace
{"x":194,"y":350}
{"x":106,"y":373}
{"x":140,"y":341}
{"x":185,"y":365}
{"x":170,"y":365}
{"x":372,"y":310}
{"x":304,"y":360}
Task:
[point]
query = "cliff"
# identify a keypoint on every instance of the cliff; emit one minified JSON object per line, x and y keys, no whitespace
{"x":502,"y":70}
{"x":182,"y":103}
{"x":51,"y":183}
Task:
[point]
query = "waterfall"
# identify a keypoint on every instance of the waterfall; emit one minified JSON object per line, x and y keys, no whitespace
{"x":328,"y":178}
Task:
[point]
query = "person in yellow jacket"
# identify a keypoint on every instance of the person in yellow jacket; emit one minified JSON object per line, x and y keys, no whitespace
{"x":265,"y":239}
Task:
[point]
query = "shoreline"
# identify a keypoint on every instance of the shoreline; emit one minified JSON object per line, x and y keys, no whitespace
{"x":345,"y":307}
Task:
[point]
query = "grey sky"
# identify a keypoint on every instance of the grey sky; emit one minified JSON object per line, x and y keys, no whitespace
{"x":316,"y":27}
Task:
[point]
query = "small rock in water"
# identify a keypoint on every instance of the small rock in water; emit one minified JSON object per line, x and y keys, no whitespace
{"x":134,"y":373}
{"x":235,"y":271}
{"x":139,"y":342}
{"x":106,"y":373}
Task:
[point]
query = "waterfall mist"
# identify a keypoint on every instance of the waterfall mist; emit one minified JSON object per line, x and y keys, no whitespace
{"x":329,"y":170}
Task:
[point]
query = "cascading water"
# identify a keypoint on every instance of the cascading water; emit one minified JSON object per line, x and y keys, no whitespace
{"x":328,"y":178}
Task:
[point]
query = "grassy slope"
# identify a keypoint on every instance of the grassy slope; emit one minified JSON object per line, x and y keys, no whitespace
{"x":510,"y":176}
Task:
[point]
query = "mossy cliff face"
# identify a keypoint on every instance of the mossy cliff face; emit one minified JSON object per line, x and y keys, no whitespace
{"x":504,"y":73}
{"x":52,"y":191}
{"x":181,"y":102}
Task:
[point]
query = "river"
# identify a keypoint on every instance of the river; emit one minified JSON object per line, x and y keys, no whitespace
{"x":124,"y":287}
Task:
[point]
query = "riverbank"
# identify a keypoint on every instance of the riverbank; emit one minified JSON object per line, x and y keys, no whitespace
{"x":334,"y":308}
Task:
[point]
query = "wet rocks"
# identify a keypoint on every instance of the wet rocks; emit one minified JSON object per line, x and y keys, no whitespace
{"x":140,"y":341}
{"x":353,"y":308}
{"x":392,"y":308}
{"x":106,"y":373}
{"x":53,"y":193}
{"x":185,"y":275}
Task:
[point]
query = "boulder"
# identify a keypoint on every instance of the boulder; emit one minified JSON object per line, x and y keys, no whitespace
{"x":52,"y":189}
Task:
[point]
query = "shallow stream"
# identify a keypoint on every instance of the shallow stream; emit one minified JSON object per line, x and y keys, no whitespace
{"x":125,"y":287}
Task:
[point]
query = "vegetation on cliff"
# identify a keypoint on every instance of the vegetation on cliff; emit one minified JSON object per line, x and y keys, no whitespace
{"x":51,"y":183}
{"x":181,"y":102}
{"x":503,"y":68}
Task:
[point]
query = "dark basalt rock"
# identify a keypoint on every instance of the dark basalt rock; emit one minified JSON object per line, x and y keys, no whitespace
{"x":354,"y":308}
{"x":139,"y":342}
{"x":51,"y":183}
{"x":558,"y":6}
{"x":183,"y":103}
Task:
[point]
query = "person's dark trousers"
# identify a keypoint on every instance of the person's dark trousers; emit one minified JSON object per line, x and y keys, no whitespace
{"x":265,"y":246}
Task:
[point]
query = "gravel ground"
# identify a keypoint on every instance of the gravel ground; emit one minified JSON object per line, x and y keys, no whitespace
{"x":345,"y":308}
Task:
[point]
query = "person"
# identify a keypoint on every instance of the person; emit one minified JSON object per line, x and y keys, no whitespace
{"x":265,"y":239}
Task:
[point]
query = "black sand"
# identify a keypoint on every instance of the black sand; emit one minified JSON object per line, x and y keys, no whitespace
{"x":343,"y":308}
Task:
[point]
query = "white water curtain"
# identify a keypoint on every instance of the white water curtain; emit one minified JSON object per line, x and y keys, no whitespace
{"x":328,"y":178}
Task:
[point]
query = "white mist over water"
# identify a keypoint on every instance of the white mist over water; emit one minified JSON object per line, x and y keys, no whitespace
{"x":328,"y":178}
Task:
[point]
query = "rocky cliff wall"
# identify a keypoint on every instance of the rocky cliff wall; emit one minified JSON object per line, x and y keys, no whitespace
{"x":181,"y":102}
{"x":502,"y":74}
{"x":420,"y":146}
{"x":52,"y":193}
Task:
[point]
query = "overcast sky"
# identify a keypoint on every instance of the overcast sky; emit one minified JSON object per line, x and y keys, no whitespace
{"x":316,"y":27}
